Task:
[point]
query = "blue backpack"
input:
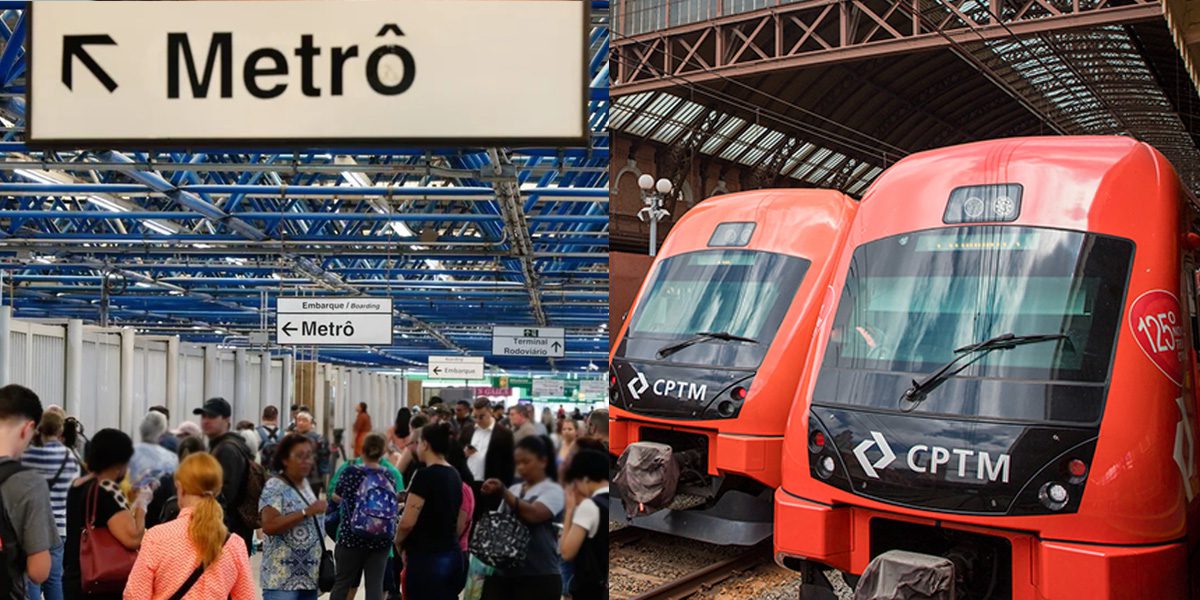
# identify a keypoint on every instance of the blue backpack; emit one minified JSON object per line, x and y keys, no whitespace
{"x":375,"y":506}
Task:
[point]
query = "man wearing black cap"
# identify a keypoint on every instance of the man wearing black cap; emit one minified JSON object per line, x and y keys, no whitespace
{"x":230,"y":449}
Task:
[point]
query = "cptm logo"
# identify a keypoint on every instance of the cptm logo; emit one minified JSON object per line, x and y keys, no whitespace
{"x":683,"y":390}
{"x":921,"y":458}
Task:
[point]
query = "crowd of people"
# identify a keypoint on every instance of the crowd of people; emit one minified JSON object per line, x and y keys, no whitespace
{"x":408,"y":512}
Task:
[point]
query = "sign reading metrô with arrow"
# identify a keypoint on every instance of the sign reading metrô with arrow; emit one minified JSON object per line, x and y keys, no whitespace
{"x":333,"y":321}
{"x":529,"y":341}
{"x":455,"y":367}
{"x":184,"y":74}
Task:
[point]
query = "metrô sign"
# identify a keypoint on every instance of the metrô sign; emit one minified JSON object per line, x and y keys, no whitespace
{"x":210,"y":72}
{"x":333,"y":321}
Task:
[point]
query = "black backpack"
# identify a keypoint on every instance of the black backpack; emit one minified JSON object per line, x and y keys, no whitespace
{"x":267,"y":451}
{"x":591,"y":564}
{"x":12,"y":573}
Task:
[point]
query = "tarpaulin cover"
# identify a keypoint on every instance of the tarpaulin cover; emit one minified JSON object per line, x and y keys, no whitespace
{"x":647,"y":476}
{"x":901,"y":575}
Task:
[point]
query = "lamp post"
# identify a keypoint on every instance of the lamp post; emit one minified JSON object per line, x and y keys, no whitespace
{"x":653,"y":193}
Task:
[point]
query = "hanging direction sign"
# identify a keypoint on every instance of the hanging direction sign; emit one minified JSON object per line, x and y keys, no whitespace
{"x":549,"y":342}
{"x":182,"y":74}
{"x":593,"y":389}
{"x":456,"y":367}
{"x":333,"y":321}
{"x":547,"y":388}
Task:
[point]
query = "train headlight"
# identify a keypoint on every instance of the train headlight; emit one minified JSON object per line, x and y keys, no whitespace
{"x":983,"y":204}
{"x":825,"y":466}
{"x":1054,"y":495}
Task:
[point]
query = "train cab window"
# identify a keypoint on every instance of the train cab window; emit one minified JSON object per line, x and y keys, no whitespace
{"x":911,"y":300}
{"x":742,"y":293}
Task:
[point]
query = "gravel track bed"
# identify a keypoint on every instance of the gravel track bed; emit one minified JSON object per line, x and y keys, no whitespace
{"x":658,"y":558}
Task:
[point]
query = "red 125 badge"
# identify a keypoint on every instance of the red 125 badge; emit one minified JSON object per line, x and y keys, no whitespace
{"x":1158,"y":328}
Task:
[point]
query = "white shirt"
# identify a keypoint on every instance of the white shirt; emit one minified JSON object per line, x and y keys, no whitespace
{"x":480,"y":440}
{"x":587,"y":514}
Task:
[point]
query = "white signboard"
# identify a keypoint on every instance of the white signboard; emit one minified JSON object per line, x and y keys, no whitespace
{"x":456,"y":367}
{"x":333,"y":321}
{"x":210,"y":72}
{"x":593,"y":388}
{"x":543,"y":388}
{"x":528,"y":341}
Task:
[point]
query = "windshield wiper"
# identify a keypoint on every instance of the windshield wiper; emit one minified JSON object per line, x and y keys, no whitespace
{"x":1006,"y":341}
{"x":702,"y":336}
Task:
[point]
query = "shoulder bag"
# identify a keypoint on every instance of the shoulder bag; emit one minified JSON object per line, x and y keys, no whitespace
{"x":105,"y":563}
{"x":192,"y":579}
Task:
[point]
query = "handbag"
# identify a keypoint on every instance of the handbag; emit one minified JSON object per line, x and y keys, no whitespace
{"x":105,"y":563}
{"x":500,"y":540}
{"x":327,"y":571}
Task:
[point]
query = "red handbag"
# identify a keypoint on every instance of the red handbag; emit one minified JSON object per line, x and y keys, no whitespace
{"x":105,"y":563}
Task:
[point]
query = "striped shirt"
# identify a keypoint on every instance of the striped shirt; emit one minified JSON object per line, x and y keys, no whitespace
{"x":46,"y":461}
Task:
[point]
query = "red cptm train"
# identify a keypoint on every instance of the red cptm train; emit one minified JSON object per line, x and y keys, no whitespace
{"x":709,"y":361}
{"x":1005,"y":376}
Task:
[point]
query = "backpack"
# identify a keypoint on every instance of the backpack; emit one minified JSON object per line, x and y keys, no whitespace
{"x":12,"y":573}
{"x":270,"y":441}
{"x":500,"y":540}
{"x":591,"y":564}
{"x":375,"y":506}
{"x":256,"y":478}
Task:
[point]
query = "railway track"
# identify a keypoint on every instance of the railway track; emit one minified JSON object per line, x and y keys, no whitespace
{"x":705,"y":578}
{"x":702,"y":575}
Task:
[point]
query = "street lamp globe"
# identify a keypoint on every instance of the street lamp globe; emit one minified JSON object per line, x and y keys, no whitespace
{"x":663,"y":186}
{"x":646,"y":182}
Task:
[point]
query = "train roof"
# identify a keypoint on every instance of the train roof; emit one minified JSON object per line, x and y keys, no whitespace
{"x":778,"y":213}
{"x":1083,"y":161}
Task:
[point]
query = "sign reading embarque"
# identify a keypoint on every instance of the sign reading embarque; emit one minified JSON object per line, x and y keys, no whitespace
{"x":206,"y":72}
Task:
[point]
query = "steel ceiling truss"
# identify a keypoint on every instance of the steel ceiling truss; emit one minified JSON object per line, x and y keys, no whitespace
{"x":812,"y":32}
{"x":200,"y":244}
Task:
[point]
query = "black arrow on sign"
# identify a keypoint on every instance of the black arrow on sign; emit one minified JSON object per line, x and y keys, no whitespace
{"x":556,"y":346}
{"x":288,"y":329}
{"x":437,"y":370}
{"x":73,"y":47}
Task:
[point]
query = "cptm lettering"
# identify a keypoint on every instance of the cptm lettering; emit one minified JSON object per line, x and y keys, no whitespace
{"x":263,"y":68}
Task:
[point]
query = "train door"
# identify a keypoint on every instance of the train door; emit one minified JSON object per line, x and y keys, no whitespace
{"x":1189,"y":437}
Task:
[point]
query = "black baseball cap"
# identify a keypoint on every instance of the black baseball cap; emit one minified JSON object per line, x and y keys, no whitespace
{"x":215,"y":407}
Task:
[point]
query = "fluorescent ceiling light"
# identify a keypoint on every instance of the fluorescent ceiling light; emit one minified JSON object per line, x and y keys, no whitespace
{"x":39,"y":176}
{"x":159,"y":227}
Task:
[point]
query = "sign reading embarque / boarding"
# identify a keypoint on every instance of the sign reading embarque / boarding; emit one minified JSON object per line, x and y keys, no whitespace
{"x":333,"y":321}
{"x":455,"y":367}
{"x":208,"y":72}
{"x":528,"y":341}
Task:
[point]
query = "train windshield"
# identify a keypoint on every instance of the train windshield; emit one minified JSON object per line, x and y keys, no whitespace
{"x":741,"y":295}
{"x":911,"y":300}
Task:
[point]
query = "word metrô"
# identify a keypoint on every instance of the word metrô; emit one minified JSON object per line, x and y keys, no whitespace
{"x":264,"y":63}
